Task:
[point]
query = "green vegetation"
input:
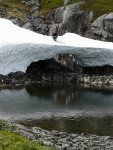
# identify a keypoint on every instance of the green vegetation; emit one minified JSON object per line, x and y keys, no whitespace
{"x":13,"y":141}
{"x":47,"y":5}
{"x":11,"y":4}
{"x":15,"y":8}
{"x":98,"y":6}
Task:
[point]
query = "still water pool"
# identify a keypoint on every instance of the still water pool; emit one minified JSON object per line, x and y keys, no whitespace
{"x":63,"y":107}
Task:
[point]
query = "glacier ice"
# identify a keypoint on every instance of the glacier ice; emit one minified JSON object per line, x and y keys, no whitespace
{"x":20,"y":47}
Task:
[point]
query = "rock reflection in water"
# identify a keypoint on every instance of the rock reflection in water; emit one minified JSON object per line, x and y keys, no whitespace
{"x":62,"y":94}
{"x":73,"y":97}
{"x":58,"y":101}
{"x":38,"y":101}
{"x":63,"y":107}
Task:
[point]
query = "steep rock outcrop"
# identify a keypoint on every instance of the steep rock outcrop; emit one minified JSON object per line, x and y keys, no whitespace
{"x":71,"y":19}
{"x":64,"y":19}
{"x":102,"y":27}
{"x":40,"y":25}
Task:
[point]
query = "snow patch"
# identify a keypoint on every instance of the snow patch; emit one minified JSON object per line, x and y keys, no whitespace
{"x":19,"y":47}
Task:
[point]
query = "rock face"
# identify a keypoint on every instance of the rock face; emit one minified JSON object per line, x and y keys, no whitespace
{"x":69,"y":61}
{"x":40,"y":25}
{"x":3,"y":13}
{"x":66,"y":19}
{"x":71,"y":19}
{"x":17,"y":21}
{"x":102,"y":27}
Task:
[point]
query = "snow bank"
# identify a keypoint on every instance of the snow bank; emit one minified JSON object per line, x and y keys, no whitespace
{"x":19,"y":47}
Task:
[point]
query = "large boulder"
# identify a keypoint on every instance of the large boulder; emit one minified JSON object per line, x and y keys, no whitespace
{"x":102,"y":27}
{"x":69,"y":61}
{"x":40,"y":25}
{"x":71,"y":19}
{"x":63,"y":19}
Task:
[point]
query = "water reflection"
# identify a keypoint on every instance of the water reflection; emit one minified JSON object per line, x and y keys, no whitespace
{"x":49,"y":101}
{"x":72,"y":97}
{"x":64,"y":107}
{"x":89,"y":125}
{"x":62,"y":95}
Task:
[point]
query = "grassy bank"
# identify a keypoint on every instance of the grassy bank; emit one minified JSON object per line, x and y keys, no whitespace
{"x":47,"y":5}
{"x":13,"y":141}
{"x":98,"y":6}
{"x":12,"y":4}
{"x":15,"y":8}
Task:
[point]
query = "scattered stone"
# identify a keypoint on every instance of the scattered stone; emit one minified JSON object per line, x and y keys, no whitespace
{"x":54,"y":138}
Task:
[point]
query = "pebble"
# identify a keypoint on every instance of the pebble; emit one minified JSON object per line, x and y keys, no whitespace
{"x":65,"y":141}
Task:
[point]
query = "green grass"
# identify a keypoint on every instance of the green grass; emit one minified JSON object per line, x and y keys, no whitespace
{"x":12,"y":4}
{"x":74,"y":1}
{"x":99,"y":6}
{"x":15,"y":8}
{"x":47,"y":5}
{"x":13,"y":141}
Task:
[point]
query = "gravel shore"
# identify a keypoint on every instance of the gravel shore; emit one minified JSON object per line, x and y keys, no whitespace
{"x":63,"y":140}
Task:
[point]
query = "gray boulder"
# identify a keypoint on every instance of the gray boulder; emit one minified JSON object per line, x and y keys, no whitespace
{"x":64,"y":19}
{"x":17,"y":21}
{"x":28,"y":25}
{"x":71,"y":19}
{"x":40,"y":25}
{"x":3,"y":13}
{"x":102,"y":27}
{"x":69,"y":61}
{"x":108,"y":22}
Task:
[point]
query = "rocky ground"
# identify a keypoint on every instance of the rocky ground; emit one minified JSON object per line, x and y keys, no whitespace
{"x":20,"y":79}
{"x":96,"y":81}
{"x":63,"y":140}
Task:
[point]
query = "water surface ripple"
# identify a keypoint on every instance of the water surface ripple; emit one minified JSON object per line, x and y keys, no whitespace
{"x":66,"y":108}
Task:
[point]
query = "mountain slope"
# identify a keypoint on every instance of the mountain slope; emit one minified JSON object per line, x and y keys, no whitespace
{"x":98,"y":6}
